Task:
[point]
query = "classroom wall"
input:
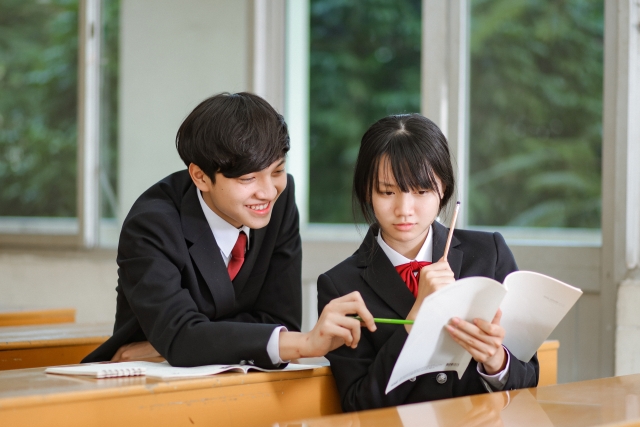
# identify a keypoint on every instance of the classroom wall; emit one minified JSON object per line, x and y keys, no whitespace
{"x":47,"y":278}
{"x":173,"y":55}
{"x":628,"y":326}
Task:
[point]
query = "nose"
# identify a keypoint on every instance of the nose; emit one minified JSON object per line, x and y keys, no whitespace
{"x":404,"y":205}
{"x":267,"y":189}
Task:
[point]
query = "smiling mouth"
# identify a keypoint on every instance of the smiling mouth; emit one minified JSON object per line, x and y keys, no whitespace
{"x":259,"y":208}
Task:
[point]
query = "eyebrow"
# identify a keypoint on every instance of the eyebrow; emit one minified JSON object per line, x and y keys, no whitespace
{"x":281,"y":162}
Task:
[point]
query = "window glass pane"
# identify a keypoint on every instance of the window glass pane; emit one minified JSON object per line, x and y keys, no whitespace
{"x":535,"y":137}
{"x":365,"y":64}
{"x":38,"y":107}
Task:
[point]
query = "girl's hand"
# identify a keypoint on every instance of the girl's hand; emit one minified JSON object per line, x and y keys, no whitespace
{"x":483,"y":340}
{"x":432,"y":278}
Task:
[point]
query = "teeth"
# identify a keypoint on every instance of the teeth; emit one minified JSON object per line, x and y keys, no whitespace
{"x":259,"y":207}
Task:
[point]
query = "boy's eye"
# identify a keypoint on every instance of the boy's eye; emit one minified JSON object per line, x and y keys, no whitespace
{"x":278,"y":172}
{"x":245,"y":179}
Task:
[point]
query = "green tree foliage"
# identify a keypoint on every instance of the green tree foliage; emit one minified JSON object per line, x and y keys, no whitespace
{"x":535,"y":103}
{"x":365,"y":64}
{"x":536,"y":113}
{"x":38,"y":107}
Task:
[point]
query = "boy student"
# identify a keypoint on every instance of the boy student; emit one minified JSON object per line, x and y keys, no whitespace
{"x":210,"y":257}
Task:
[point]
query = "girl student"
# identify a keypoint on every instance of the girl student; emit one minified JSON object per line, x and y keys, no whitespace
{"x":403,"y":178}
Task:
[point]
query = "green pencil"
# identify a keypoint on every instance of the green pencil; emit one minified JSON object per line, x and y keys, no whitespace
{"x":391,"y":321}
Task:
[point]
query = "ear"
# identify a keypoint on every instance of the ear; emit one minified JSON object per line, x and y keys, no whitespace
{"x":199,"y":178}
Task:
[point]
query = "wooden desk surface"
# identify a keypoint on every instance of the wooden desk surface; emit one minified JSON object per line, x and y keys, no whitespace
{"x":46,"y":345}
{"x":31,"y":397}
{"x":602,"y":402}
{"x":20,"y":316}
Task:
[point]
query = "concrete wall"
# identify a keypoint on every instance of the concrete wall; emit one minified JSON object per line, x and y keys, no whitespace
{"x":173,"y":55}
{"x":84,"y":280}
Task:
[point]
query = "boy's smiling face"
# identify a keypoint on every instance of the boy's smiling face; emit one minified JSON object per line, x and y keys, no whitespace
{"x":246,"y":200}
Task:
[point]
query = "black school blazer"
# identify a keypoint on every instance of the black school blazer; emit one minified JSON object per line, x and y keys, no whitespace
{"x":362,"y":374}
{"x":174,"y":290}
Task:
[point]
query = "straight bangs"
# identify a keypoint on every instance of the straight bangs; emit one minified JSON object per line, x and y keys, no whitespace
{"x":409,"y":165}
{"x":258,"y":137}
{"x":233,"y":134}
{"x":417,"y":153}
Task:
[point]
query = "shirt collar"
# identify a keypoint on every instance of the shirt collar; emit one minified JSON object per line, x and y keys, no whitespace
{"x":424,"y":254}
{"x":225,"y":234}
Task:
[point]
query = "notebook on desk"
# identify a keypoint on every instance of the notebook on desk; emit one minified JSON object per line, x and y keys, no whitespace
{"x":161,"y":370}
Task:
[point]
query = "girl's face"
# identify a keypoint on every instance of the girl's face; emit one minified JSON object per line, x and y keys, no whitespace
{"x":404,"y":218}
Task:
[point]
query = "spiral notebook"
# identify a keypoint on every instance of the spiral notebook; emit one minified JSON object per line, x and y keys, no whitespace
{"x":101,"y":370}
{"x":161,"y":370}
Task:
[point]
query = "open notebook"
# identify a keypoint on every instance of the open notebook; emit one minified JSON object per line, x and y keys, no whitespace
{"x":161,"y":370}
{"x":532,"y":306}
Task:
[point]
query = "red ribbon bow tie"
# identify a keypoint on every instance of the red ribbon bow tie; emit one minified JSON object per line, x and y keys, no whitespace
{"x":406,"y":273}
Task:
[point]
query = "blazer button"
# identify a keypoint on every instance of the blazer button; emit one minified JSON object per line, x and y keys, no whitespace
{"x":441,"y":378}
{"x":413,"y":380}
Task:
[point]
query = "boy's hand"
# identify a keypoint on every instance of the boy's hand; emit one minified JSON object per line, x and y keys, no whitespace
{"x":483,"y":340}
{"x":334,"y":329}
{"x":135,"y":351}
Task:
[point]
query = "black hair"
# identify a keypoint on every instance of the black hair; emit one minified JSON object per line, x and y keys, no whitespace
{"x":417,"y":152}
{"x":233,"y":134}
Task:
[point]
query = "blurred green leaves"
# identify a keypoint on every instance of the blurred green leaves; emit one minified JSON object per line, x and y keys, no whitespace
{"x":535,"y":103}
{"x":38,"y":107}
{"x":365,"y":64}
{"x":536,"y":113}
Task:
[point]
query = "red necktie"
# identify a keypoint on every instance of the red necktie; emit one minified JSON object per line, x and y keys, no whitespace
{"x":237,"y":255}
{"x":406,"y":273}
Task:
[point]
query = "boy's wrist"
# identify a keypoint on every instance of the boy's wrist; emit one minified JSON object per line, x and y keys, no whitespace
{"x":293,"y":345}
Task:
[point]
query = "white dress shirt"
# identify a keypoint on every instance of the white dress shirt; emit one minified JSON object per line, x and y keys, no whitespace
{"x":226,"y":236}
{"x":425,"y":253}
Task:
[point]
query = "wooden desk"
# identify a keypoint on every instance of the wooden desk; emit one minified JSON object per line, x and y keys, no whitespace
{"x":14,"y":316}
{"x":63,"y":344}
{"x":29,"y":397}
{"x":548,"y":359}
{"x":603,"y":402}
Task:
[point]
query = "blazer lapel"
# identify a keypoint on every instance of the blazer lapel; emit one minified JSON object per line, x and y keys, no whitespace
{"x":440,"y":234}
{"x":382,"y":277}
{"x":206,"y":253}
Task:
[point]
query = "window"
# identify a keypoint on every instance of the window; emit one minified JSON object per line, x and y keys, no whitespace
{"x":53,"y":112}
{"x":38,"y":109}
{"x":364,"y":65}
{"x":535,"y":135}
